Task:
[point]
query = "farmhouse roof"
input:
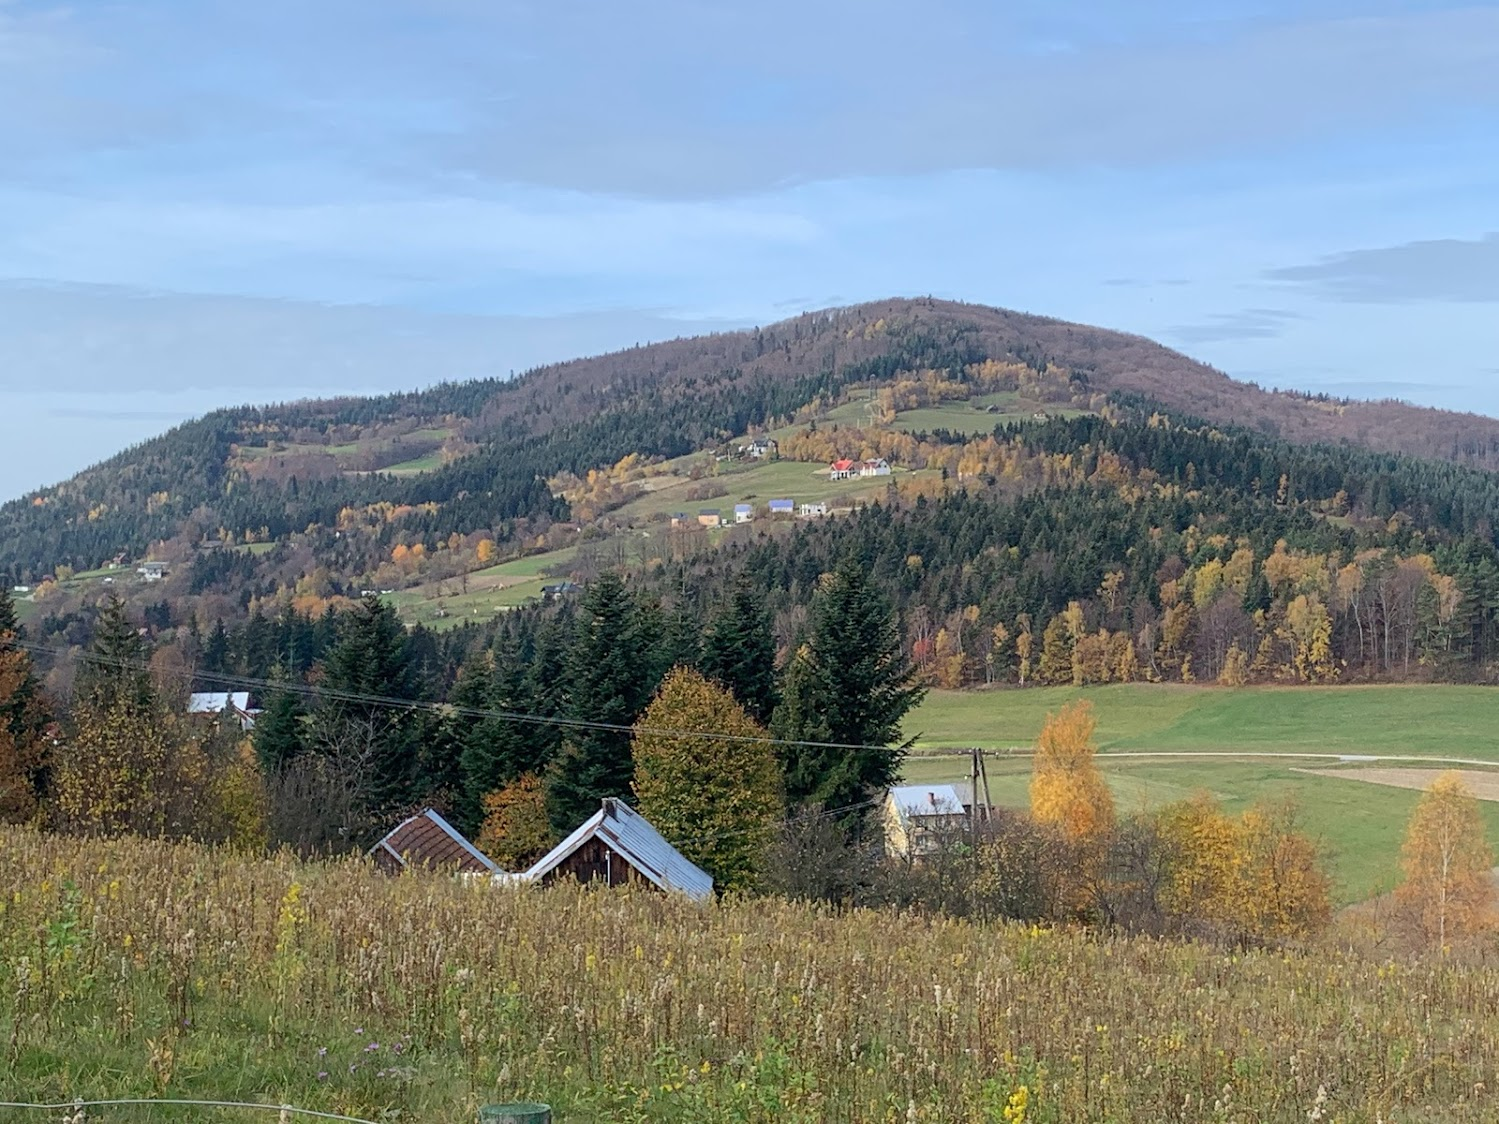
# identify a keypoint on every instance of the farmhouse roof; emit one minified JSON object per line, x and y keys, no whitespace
{"x":216,"y":702}
{"x":743,"y":507}
{"x":427,"y":839}
{"x":842,"y":466}
{"x":926,"y":800}
{"x":630,"y":835}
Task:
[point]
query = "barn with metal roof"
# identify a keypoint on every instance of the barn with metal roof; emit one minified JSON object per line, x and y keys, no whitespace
{"x":618,"y":845}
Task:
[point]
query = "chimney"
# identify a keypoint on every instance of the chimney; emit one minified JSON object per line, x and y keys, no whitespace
{"x":931,"y":798}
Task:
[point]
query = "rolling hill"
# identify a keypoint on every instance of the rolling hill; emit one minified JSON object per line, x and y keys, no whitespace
{"x":315,"y":500}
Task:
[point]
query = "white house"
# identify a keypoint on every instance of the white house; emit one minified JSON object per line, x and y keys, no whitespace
{"x":743,"y":512}
{"x":782,"y":507}
{"x":812,"y":510}
{"x":877,"y":467}
{"x":236,"y":703}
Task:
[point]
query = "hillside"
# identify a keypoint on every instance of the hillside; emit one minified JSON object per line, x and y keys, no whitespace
{"x":463,"y":501}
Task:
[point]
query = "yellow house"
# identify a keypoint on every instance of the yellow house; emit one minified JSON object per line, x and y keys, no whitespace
{"x":918,"y":818}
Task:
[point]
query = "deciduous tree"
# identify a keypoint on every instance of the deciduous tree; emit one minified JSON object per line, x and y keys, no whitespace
{"x":707,"y":780}
{"x":1067,"y":789}
{"x":1447,"y":893}
{"x":515,"y":831}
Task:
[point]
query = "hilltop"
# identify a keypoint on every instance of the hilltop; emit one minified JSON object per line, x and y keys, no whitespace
{"x":465,"y":499}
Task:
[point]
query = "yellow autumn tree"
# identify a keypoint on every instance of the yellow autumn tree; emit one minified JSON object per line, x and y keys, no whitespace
{"x":1250,"y":879}
{"x":1067,"y":790}
{"x":706,"y":779}
{"x":516,"y":831}
{"x":1447,"y":893}
{"x":485,"y":552}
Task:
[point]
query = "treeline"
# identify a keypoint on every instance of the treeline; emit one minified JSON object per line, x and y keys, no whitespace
{"x":363,"y":721}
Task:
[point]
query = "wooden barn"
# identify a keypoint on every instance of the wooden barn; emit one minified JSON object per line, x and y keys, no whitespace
{"x":618,"y":845}
{"x":428,"y":840}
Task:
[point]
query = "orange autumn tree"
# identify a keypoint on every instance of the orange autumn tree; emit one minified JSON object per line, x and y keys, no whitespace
{"x":1447,"y":893}
{"x":516,"y":831}
{"x":1067,"y":790}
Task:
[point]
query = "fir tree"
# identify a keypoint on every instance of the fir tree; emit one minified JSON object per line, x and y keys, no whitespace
{"x":280,"y":729}
{"x":850,"y":686}
{"x":380,"y":742}
{"x":739,"y":653}
{"x":611,"y":673}
{"x":114,"y":668}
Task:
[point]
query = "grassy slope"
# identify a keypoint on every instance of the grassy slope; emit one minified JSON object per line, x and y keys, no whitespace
{"x":1361,"y":825}
{"x":419,"y":998}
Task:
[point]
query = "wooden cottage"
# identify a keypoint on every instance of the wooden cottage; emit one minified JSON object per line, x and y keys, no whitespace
{"x":428,"y":840}
{"x":618,"y":845}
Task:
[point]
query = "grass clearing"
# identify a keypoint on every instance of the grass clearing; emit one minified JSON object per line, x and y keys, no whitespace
{"x":482,"y":594}
{"x":136,"y":968}
{"x":1362,"y":825}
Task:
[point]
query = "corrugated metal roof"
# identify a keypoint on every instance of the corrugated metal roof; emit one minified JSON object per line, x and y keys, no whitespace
{"x":429,"y":840}
{"x":630,"y":835}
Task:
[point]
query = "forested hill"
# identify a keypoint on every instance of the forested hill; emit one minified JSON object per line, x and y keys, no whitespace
{"x":308,"y":499}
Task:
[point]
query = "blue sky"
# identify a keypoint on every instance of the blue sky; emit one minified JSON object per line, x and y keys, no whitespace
{"x":206,"y":203}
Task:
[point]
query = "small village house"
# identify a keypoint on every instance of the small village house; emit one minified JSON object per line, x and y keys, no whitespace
{"x":843,"y":470}
{"x":153,"y":571}
{"x":679,"y":519}
{"x":556,"y":591}
{"x":743,"y":512}
{"x":617,"y":845}
{"x":812,"y":510}
{"x":919,"y":818}
{"x":709,"y":517}
{"x":761,"y":448}
{"x":220,"y":703}
{"x":426,"y":840}
{"x":877,"y":467}
{"x":782,"y":507}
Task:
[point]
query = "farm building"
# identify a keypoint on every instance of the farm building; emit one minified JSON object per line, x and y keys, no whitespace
{"x":428,"y":840}
{"x":782,"y":507}
{"x":618,"y":845}
{"x":153,"y":571}
{"x":743,"y":512}
{"x":236,"y":703}
{"x":843,"y":470}
{"x":812,"y":510}
{"x":679,"y":519}
{"x":877,"y":467}
{"x":556,"y":591}
{"x":918,"y":818}
{"x":760,"y":448}
{"x":709,"y":517}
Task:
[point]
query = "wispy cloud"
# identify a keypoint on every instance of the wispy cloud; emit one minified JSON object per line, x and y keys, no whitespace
{"x":1447,"y":269}
{"x":1249,"y":324}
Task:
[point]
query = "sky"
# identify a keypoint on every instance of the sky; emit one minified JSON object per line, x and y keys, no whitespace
{"x":206,"y":203}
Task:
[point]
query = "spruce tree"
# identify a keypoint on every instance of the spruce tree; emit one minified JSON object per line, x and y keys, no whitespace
{"x":114,"y":668}
{"x":612,"y":671}
{"x":23,"y":717}
{"x":381,"y":742}
{"x":280,"y":729}
{"x":739,"y":653}
{"x":849,"y":685}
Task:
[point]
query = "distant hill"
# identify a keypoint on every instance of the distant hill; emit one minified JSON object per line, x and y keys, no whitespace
{"x":252,"y":503}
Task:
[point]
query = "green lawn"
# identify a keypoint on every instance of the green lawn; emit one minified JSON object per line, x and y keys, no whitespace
{"x":428,"y":463}
{"x":494,"y":590}
{"x":1446,"y":721}
{"x":1360,"y":824}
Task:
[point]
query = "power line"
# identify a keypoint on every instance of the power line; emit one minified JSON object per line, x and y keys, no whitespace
{"x":316,"y":691}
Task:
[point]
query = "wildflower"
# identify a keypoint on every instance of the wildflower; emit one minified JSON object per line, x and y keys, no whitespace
{"x":372,"y":1047}
{"x":322,"y":1051}
{"x":322,"y":1075}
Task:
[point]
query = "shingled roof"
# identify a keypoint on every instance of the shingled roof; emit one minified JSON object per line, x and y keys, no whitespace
{"x":428,"y":840}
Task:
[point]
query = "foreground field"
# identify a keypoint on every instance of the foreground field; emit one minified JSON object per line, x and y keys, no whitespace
{"x":1360,"y":824}
{"x":139,"y":969}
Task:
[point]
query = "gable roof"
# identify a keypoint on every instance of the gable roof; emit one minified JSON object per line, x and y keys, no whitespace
{"x":738,"y":507}
{"x":777,"y":505}
{"x":630,"y":835}
{"x":926,"y":800}
{"x":427,"y":839}
{"x":216,"y":702}
{"x":843,"y":465}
